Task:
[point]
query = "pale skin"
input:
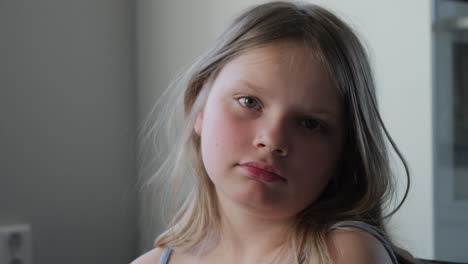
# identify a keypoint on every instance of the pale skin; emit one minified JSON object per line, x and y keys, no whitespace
{"x":274,"y":105}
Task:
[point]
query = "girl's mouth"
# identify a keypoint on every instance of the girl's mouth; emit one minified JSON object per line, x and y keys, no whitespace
{"x":261,"y":171}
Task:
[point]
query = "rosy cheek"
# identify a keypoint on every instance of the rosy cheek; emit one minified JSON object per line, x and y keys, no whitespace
{"x":231,"y":125}
{"x":222,"y":131}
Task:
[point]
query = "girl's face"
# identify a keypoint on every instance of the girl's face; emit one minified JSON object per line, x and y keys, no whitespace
{"x":272,"y":131}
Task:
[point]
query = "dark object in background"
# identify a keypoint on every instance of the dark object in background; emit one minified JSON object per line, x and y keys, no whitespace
{"x":425,"y":261}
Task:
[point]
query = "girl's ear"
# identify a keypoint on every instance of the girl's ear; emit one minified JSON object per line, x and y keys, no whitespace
{"x":198,"y":123}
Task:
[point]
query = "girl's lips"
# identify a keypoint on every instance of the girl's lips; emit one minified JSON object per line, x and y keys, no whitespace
{"x":261,"y":171}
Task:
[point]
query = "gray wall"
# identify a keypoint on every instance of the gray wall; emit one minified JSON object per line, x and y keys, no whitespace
{"x":67,"y":113}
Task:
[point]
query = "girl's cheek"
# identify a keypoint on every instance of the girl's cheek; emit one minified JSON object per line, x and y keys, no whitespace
{"x":236,"y":127}
{"x":226,"y":123}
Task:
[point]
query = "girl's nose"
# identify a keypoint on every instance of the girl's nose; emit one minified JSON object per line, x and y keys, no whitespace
{"x":272,"y":140}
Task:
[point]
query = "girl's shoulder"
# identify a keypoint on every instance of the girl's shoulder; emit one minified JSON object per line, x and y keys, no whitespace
{"x":355,"y":242}
{"x":150,"y":257}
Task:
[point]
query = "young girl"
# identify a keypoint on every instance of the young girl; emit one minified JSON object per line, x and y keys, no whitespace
{"x":285,"y":146}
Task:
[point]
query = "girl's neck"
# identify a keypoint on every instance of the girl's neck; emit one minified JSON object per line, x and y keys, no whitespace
{"x":249,"y":237}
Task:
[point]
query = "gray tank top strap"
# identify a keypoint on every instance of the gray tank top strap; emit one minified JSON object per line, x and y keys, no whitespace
{"x":372,"y":230}
{"x":165,"y":256}
{"x":167,"y":253}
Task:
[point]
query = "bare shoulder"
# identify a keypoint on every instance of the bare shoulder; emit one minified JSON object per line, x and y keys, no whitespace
{"x":354,"y":245}
{"x":150,"y":257}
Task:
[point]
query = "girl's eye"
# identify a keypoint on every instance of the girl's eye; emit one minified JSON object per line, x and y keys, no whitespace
{"x":312,"y":124}
{"x":249,"y":102}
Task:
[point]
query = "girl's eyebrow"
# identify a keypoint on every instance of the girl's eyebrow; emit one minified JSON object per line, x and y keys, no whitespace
{"x":249,"y":85}
{"x":313,"y":111}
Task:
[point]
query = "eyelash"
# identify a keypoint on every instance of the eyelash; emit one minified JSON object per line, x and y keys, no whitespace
{"x":242,"y":99}
{"x":319,"y":125}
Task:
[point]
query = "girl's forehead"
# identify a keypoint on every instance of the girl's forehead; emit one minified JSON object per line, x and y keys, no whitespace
{"x":281,"y":70}
{"x":287,"y":60}
{"x":287,"y":52}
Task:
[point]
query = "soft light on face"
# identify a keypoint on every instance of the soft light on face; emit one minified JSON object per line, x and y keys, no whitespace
{"x":272,"y":130}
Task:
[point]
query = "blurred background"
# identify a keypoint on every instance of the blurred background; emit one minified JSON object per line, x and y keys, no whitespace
{"x":77,"y":78}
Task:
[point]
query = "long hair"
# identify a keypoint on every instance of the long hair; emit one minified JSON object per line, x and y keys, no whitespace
{"x":364,"y":187}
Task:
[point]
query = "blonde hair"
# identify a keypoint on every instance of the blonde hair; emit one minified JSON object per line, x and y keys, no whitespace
{"x":365,"y":185}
